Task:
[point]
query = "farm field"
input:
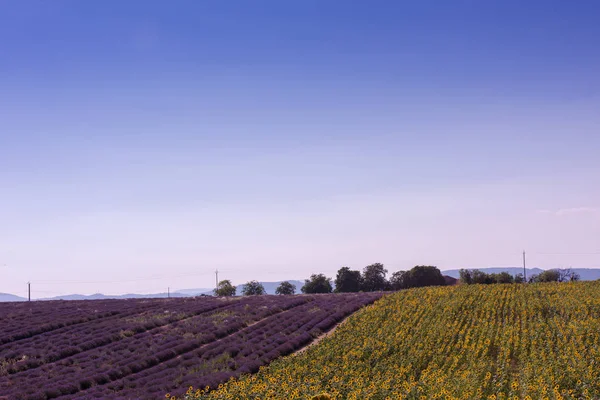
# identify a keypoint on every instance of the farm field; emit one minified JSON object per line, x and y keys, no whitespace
{"x":538,"y":341}
{"x":142,"y":349}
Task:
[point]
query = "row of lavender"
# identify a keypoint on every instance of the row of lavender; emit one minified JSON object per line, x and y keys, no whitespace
{"x":136,"y":350}
{"x":244,"y":351}
{"x":72,"y":339}
{"x":23,"y":320}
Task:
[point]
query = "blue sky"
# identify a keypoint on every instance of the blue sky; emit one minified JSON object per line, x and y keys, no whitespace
{"x":144,"y":144}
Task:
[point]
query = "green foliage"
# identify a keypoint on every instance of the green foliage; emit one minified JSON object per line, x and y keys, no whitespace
{"x":476,"y":276}
{"x":373,"y":278}
{"x":519,"y":278}
{"x":285,"y":288}
{"x":504,"y":277}
{"x":482,"y":278}
{"x":552,"y":275}
{"x":318,"y":283}
{"x":555,"y":275}
{"x":419,"y":276}
{"x":397,"y":281}
{"x":225,"y":288}
{"x":465,"y":276}
{"x":347,"y":281}
{"x":253,"y":288}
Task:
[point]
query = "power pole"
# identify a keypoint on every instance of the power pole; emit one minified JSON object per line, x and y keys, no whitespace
{"x":29,"y":290}
{"x":216,"y":279}
{"x":524,"y":269}
{"x":169,"y":292}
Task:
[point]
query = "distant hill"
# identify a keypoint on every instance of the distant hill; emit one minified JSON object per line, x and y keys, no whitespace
{"x":586,"y":274}
{"x":194,"y":292}
{"x":5,"y":297}
{"x":269,"y":288}
{"x":100,"y":296}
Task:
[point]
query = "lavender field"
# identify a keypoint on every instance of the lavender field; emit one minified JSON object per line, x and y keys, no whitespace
{"x":142,"y":349}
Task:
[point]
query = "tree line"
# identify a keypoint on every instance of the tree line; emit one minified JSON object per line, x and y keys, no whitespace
{"x":475,"y":276}
{"x":371,"y":279}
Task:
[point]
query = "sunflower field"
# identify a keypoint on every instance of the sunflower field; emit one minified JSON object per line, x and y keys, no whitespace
{"x":536,"y":341}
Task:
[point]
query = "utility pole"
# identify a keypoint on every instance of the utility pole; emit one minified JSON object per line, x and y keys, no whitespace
{"x":29,"y":290}
{"x":524,"y":270}
{"x":169,"y":292}
{"x":216,"y":279}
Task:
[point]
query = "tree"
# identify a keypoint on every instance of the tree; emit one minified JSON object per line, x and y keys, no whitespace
{"x":555,"y":275}
{"x":567,"y":275}
{"x":373,"y":278}
{"x":481,"y":277}
{"x":225,"y":288}
{"x":466,"y":276}
{"x":318,"y":283}
{"x":285,"y":288}
{"x":551,"y":275}
{"x":504,"y":277}
{"x":253,"y":288}
{"x":397,"y":281}
{"x":519,"y":278}
{"x":423,"y":275}
{"x":347,"y":280}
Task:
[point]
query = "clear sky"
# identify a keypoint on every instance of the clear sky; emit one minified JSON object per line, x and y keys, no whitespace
{"x":145,"y":143}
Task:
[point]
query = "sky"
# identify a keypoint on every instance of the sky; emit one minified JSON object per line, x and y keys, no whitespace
{"x":144,"y":144}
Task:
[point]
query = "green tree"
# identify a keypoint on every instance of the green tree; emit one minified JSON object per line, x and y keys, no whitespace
{"x":504,"y":277}
{"x":481,"y":277}
{"x":318,"y":283}
{"x":519,"y":278}
{"x":423,"y":275}
{"x":285,"y":288}
{"x":373,"y":278}
{"x":225,"y":288}
{"x":465,"y":276}
{"x":551,"y":275}
{"x":397,"y":280}
{"x":253,"y":288}
{"x":347,"y":281}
